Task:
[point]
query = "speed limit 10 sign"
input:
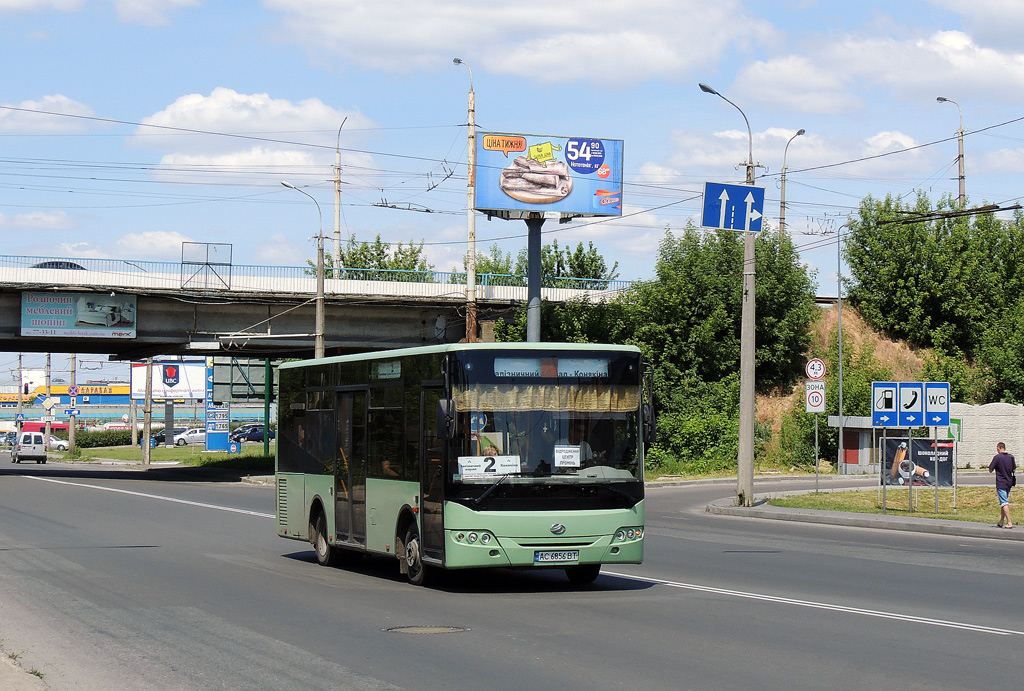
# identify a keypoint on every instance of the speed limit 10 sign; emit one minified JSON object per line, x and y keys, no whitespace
{"x":814,"y":396}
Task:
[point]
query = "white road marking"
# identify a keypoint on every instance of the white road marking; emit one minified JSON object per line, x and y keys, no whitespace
{"x":154,"y":496}
{"x":822,"y":605}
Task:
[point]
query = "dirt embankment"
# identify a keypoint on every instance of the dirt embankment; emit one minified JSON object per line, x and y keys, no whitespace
{"x":904,"y":361}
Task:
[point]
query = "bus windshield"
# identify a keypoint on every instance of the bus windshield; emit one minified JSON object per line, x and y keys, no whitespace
{"x":535,"y":419}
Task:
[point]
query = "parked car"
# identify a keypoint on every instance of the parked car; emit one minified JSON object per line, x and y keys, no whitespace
{"x":59,"y":444}
{"x":250,"y":433}
{"x":193,"y":435}
{"x":158,"y":437}
{"x":30,"y":447}
{"x":8,"y":438}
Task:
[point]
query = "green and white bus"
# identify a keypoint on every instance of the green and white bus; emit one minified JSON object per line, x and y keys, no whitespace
{"x":464,"y":456}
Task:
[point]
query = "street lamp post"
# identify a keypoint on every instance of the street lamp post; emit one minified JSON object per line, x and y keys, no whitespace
{"x":960,"y":152}
{"x":745,"y":460}
{"x":318,"y":342}
{"x":782,"y":202}
{"x":471,"y":322}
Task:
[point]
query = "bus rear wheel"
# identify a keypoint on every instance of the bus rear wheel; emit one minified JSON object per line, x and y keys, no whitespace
{"x":325,"y":554}
{"x":416,"y":569}
{"x":583,"y":574}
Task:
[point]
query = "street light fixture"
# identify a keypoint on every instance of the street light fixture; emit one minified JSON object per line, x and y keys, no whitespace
{"x":318,"y":338}
{"x":471,"y":322}
{"x":745,"y":460}
{"x":782,"y":202}
{"x":960,"y":150}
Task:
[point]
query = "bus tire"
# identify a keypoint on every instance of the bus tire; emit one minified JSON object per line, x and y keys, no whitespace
{"x":583,"y":574}
{"x":417,"y":570}
{"x":326,"y":555}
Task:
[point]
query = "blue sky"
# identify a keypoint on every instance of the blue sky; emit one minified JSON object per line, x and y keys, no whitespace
{"x":256,"y":93}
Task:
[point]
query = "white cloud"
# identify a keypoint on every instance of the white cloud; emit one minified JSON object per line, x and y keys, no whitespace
{"x":223,"y":122}
{"x":536,"y":39}
{"x":45,"y":116}
{"x":281,"y":250}
{"x":149,"y":12}
{"x":38,"y":220}
{"x":40,"y":5}
{"x":993,"y":22}
{"x":151,"y":244}
{"x":833,"y":76}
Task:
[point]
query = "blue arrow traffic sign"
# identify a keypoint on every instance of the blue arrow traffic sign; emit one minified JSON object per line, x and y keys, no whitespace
{"x":71,"y":412}
{"x":911,"y":404}
{"x":732,"y":207}
{"x":936,"y":404}
{"x":884,"y":395}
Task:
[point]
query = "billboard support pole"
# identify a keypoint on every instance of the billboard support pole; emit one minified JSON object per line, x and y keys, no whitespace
{"x":533,"y":271}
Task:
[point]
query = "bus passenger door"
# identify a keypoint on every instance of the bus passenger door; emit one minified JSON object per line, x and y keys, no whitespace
{"x":350,"y":479}
{"x":431,"y":476}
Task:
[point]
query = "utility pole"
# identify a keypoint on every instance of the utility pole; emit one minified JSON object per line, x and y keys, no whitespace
{"x":960,"y":151}
{"x":471,"y":320}
{"x":745,"y":459}
{"x":337,"y":205}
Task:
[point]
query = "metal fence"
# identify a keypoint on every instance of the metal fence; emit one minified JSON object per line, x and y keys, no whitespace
{"x":136,"y":274}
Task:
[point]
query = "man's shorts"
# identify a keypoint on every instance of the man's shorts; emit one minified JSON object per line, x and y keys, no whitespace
{"x":1004,"y":497}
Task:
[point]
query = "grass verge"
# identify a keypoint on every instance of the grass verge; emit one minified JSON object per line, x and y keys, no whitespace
{"x":251,"y":459}
{"x":972,"y":503}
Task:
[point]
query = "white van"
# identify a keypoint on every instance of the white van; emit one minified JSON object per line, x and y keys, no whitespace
{"x":30,"y":447}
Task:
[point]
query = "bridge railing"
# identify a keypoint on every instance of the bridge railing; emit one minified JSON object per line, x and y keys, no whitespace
{"x":91,"y":273}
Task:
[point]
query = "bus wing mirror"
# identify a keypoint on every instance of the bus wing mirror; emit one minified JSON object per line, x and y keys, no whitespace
{"x":444,"y":419}
{"x":650,"y":424}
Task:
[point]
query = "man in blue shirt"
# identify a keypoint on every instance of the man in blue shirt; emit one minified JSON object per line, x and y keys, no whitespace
{"x":1004,"y":465}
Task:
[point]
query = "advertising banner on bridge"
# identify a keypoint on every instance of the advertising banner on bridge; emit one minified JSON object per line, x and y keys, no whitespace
{"x":578,"y":176}
{"x":172,"y":381}
{"x":78,"y":315}
{"x":925,"y":462}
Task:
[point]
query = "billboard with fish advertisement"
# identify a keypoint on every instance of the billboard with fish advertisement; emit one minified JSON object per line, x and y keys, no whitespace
{"x":571,"y":176}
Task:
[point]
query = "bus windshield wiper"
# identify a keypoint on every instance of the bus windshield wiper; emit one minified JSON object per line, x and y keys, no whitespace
{"x":490,"y":489}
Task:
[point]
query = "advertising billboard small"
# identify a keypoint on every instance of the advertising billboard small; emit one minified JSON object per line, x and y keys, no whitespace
{"x":922,"y":462}
{"x":171,"y":380}
{"x":573,"y":176}
{"x":78,"y":315}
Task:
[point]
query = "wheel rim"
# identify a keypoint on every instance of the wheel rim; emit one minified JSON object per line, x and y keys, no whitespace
{"x":412,"y":555}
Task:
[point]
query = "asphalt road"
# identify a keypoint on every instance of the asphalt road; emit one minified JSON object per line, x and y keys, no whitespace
{"x":128,"y":580}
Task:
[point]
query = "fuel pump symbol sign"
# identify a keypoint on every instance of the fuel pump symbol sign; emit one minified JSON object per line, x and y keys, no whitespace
{"x":884,"y":397}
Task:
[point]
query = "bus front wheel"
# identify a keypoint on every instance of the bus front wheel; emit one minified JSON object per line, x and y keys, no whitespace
{"x":416,"y":570}
{"x":583,"y":574}
{"x":325,"y":554}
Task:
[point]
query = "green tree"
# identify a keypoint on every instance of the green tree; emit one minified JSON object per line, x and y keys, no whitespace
{"x":928,"y":275}
{"x":372,"y":261}
{"x":563,"y":262}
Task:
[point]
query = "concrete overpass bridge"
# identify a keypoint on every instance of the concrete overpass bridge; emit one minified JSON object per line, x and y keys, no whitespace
{"x":135,"y":309}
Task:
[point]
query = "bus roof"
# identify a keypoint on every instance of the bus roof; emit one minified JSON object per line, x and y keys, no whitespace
{"x":455,"y":347}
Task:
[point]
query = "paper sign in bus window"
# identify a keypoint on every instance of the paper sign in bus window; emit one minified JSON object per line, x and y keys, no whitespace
{"x":567,"y":456}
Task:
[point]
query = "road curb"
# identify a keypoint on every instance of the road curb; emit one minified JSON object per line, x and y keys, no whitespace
{"x":726,"y":507}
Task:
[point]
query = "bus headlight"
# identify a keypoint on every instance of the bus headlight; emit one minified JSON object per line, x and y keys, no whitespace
{"x":485,"y":539}
{"x":634,"y":533}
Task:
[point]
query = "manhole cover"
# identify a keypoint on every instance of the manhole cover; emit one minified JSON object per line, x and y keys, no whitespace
{"x":426,"y":629}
